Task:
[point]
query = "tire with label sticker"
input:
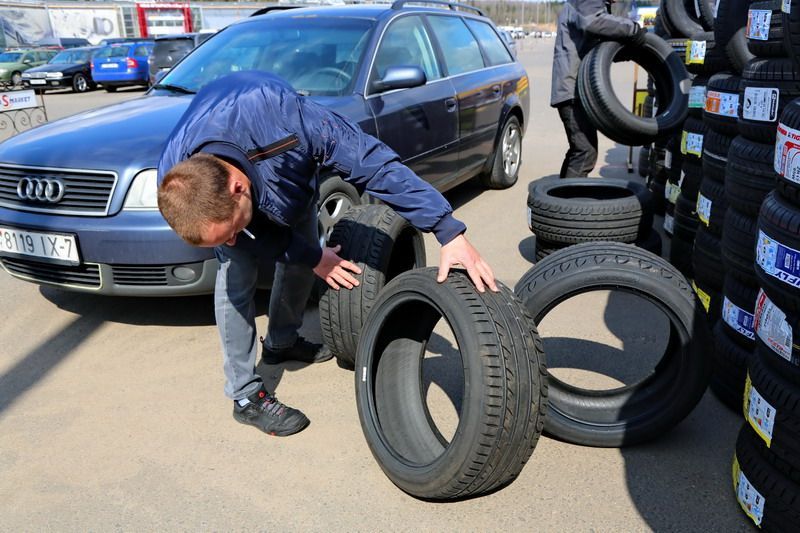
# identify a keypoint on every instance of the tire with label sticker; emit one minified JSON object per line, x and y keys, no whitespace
{"x":640,"y":411}
{"x":707,"y":259}
{"x":778,"y":251}
{"x":715,"y":155}
{"x":607,"y":112}
{"x":791,"y":32}
{"x":781,"y":396}
{"x":498,"y":366}
{"x":697,"y":96}
{"x":711,"y":205}
{"x":383,"y":244}
{"x":711,"y":299}
{"x":589,"y":209}
{"x":738,"y":311}
{"x":703,"y":56}
{"x":690,"y":179}
{"x":692,"y":139}
{"x":767,"y":87}
{"x":765,"y":29}
{"x":778,"y":333}
{"x":787,"y":158}
{"x":722,"y":103}
{"x":730,"y":369}
{"x":767,"y":496}
{"x":749,"y":176}
{"x":739,"y":235}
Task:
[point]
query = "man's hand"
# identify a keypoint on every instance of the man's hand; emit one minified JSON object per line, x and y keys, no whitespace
{"x":460,"y":251}
{"x":336,"y":271}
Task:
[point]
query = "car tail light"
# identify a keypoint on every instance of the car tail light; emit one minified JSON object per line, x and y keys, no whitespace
{"x":132,"y":63}
{"x":91,"y":65}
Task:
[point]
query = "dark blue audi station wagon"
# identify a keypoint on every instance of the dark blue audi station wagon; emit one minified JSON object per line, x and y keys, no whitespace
{"x":436,"y":83}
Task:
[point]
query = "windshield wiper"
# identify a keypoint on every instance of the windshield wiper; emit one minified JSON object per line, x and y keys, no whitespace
{"x":173,"y":88}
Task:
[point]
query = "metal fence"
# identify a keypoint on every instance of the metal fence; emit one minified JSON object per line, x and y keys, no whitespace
{"x":20,"y":110}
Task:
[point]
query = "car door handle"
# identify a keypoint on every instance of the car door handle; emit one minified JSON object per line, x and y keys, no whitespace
{"x":496,"y":89}
{"x":451,"y":104}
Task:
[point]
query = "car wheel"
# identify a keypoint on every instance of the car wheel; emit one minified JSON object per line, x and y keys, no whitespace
{"x":507,"y":157}
{"x":16,"y":79}
{"x":110,"y":88}
{"x":79,"y":83}
{"x":335,"y":198}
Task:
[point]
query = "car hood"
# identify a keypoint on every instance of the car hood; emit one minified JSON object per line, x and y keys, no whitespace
{"x":124,"y":137}
{"x":51,"y":67}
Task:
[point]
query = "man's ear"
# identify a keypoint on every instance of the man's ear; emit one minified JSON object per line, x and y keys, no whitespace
{"x":235,"y":186}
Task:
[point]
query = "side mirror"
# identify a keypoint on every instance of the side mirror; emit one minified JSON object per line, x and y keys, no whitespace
{"x":400,"y":78}
{"x":27,"y":61}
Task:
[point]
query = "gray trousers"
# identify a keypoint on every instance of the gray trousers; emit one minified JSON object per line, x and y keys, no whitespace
{"x":234,"y":306}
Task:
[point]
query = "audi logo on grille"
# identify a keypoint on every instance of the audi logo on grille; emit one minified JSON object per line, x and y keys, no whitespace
{"x":41,"y":189}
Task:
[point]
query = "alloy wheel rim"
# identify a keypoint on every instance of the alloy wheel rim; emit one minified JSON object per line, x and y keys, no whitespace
{"x":331,"y":210}
{"x":511,"y":150}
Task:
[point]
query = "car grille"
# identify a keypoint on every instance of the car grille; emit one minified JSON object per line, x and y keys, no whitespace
{"x":35,"y":75}
{"x":87,"y":192}
{"x":140,"y":275}
{"x":83,"y":275}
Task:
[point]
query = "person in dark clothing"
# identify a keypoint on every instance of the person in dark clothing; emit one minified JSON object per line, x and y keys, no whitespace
{"x":581,"y":24}
{"x":240,"y":173}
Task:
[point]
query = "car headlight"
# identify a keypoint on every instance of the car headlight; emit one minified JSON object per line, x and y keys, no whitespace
{"x":55,"y":75}
{"x":25,"y":75}
{"x":143,"y":192}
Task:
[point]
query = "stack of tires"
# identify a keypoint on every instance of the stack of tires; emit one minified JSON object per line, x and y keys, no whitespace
{"x":766,"y":473}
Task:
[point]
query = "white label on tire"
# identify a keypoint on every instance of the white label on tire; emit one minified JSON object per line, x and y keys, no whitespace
{"x":786,"y":6}
{"x":671,"y":192}
{"x":668,"y":160}
{"x":669,"y":223}
{"x":777,"y":260}
{"x":738,"y":319}
{"x":760,"y":413}
{"x":771,"y":326}
{"x":703,"y":209}
{"x":761,"y":104}
{"x":697,"y":97}
{"x":723,"y":104}
{"x":758,"y":21}
{"x":787,"y":153}
{"x":692,"y":143}
{"x":751,"y":501}
{"x":695,"y":52}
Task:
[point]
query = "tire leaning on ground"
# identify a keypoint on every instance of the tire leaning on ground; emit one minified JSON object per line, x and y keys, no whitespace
{"x":383,"y":244}
{"x":507,"y":157}
{"x":504,"y":386}
{"x":611,"y":116}
{"x":642,"y":411}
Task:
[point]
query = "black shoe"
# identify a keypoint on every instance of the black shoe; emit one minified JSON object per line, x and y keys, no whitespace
{"x":303,"y":351}
{"x":269,"y":415}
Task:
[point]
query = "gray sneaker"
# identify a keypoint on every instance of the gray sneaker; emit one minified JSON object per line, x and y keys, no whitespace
{"x":265,"y":412}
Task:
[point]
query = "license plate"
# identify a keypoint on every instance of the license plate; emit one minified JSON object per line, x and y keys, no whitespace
{"x":36,"y":82}
{"x":53,"y":247}
{"x":109,"y":65}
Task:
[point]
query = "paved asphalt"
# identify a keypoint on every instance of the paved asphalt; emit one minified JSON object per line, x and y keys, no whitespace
{"x":112,"y":415}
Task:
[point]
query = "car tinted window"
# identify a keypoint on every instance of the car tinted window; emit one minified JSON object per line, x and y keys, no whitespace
{"x":492,"y":46}
{"x":141,"y":50}
{"x":460,"y":49}
{"x":117,"y":52}
{"x":168,"y":52}
{"x":406,"y":42}
{"x":9,"y":57}
{"x":316,"y":55}
{"x":68,"y":57}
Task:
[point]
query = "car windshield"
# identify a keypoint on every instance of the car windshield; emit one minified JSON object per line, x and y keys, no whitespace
{"x":316,"y":55}
{"x":112,"y":51}
{"x":9,"y":57}
{"x":69,"y":57}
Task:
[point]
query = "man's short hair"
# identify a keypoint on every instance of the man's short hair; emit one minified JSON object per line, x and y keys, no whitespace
{"x":193,"y":193}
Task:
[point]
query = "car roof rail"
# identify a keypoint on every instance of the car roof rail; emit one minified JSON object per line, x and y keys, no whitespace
{"x":265,"y":10}
{"x":452,"y":5}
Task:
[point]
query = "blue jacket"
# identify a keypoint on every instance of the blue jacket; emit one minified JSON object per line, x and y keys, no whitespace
{"x":284,"y":142}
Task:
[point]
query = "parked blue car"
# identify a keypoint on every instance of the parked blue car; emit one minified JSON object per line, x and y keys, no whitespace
{"x":122,"y":64}
{"x":78,"y":196}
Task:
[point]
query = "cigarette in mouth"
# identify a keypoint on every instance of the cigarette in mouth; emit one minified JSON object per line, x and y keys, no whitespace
{"x":248,"y":234}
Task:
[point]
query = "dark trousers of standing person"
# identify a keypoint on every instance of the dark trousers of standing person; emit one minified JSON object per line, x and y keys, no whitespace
{"x":582,"y":137}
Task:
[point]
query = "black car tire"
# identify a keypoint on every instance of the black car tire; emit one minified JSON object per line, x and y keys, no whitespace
{"x":738,"y":311}
{"x":707,"y":260}
{"x":738,"y":245}
{"x":693,"y":139}
{"x":504,"y":386}
{"x":715,"y":155}
{"x":644,"y":161}
{"x":714,"y":57}
{"x":697,"y":98}
{"x":579,"y":210}
{"x":730,"y":369}
{"x":750,"y":174}
{"x":777,"y":334}
{"x":767,"y":74}
{"x":638,"y":412}
{"x":507,"y":157}
{"x":729,"y":31}
{"x":383,"y":244}
{"x":773,"y":45}
{"x":651,"y":242}
{"x":779,"y":223}
{"x":679,"y":17}
{"x":79,"y":83}
{"x":110,"y":88}
{"x":16,"y":79}
{"x":705,"y":9}
{"x":711,"y":205}
{"x":614,"y":119}
{"x":722,"y":88}
{"x":788,"y":185}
